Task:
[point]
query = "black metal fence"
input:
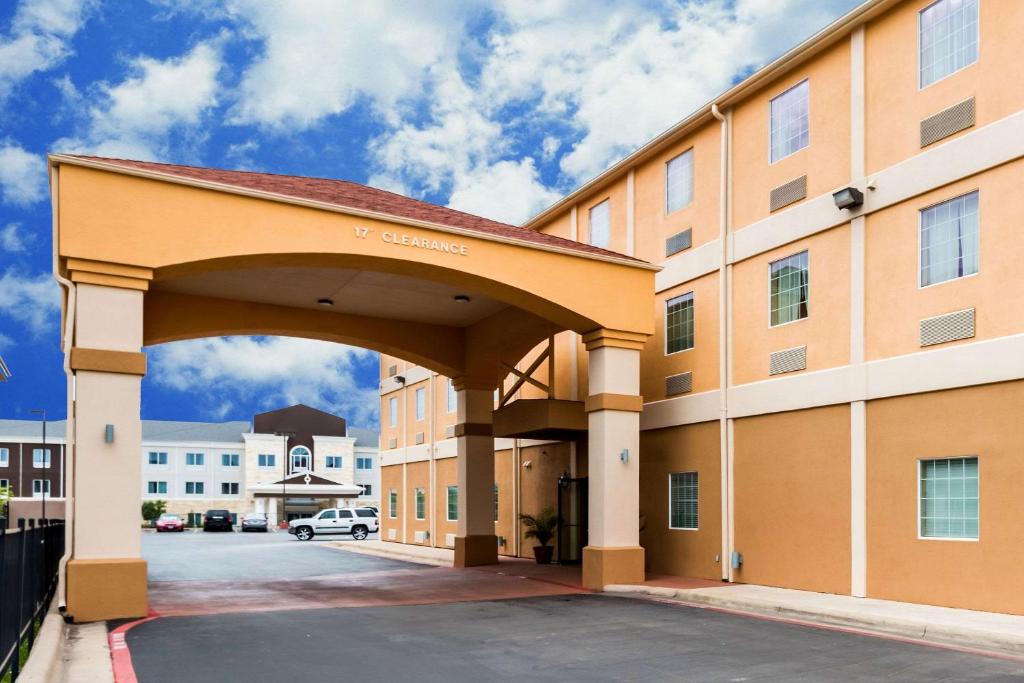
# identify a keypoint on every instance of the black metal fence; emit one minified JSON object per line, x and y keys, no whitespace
{"x":29,"y":555}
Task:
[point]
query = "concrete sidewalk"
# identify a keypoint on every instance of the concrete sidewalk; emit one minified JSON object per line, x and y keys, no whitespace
{"x":438,"y":557}
{"x":959,"y":627}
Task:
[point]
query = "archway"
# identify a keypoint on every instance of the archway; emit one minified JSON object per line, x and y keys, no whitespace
{"x":151,"y":253}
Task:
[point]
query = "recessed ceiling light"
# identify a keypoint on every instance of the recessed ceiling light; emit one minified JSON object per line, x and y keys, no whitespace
{"x":461,"y":298}
{"x":325,"y":302}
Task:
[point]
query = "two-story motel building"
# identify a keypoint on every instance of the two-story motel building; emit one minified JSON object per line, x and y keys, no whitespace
{"x":832,"y":395}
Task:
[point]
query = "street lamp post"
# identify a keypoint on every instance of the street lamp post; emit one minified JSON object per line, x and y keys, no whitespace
{"x":283,"y":522}
{"x":46,"y":460}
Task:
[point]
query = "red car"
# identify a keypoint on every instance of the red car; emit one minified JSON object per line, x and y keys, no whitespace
{"x":169,"y":523}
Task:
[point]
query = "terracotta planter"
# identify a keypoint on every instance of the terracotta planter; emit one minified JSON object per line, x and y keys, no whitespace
{"x":542,"y":553}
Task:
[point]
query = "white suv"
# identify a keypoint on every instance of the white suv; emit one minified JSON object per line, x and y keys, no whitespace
{"x":359,"y":522}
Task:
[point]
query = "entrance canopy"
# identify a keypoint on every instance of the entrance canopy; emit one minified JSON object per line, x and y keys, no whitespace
{"x":306,"y":485}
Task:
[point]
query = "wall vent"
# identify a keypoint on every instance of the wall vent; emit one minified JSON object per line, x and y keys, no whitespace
{"x":947,"y":122}
{"x":784,"y":195}
{"x":449,"y":431}
{"x":419,"y":438}
{"x":787,"y":360}
{"x":679,"y":384}
{"x":948,"y":327}
{"x":679,"y":242}
{"x":392,"y":443}
{"x":392,"y":370}
{"x":392,"y":534}
{"x":449,"y":540}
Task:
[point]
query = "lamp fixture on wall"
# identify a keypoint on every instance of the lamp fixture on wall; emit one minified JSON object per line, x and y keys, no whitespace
{"x":848,"y":198}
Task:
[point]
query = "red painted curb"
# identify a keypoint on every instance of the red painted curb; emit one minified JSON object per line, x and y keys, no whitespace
{"x":120,"y":656}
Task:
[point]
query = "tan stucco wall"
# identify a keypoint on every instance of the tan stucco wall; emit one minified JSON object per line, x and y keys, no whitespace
{"x":418,"y":475}
{"x":895,"y":303}
{"x":792,"y":499}
{"x":895,"y":105}
{"x":693,"y":448}
{"x":391,"y":480}
{"x":445,"y":475}
{"x":825,"y":160}
{"x":504,"y":472}
{"x":539,"y":483}
{"x":979,"y":421}
{"x":826,"y":329}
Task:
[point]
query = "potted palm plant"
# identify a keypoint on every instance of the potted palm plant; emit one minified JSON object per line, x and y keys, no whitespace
{"x":542,"y":528}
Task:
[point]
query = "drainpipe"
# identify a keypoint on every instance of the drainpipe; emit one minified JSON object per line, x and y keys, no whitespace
{"x":724,"y":320}
{"x":67,"y":339}
{"x":432,"y":452}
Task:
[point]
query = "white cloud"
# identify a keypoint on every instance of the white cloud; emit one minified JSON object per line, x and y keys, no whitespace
{"x":278,"y":370}
{"x":33,"y":301}
{"x":22,"y":175}
{"x":39,"y":38}
{"x":136,"y":117}
{"x":12,"y":239}
{"x":5,"y":342}
{"x":508,"y":191}
{"x":320,"y":56}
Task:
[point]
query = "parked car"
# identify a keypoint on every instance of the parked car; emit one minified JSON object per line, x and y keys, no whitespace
{"x":254,"y":521}
{"x":168,"y":522}
{"x":215,"y":520}
{"x":358,"y":522}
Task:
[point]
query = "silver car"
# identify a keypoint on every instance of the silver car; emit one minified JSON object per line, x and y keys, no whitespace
{"x":358,"y":522}
{"x":254,"y":521}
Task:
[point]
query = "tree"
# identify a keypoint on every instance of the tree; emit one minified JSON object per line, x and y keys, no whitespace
{"x":5,"y":497}
{"x":152,"y":509}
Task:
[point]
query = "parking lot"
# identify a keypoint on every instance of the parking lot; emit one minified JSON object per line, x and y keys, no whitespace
{"x":255,"y":606}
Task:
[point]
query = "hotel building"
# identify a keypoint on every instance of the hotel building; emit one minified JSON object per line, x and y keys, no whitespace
{"x":831,"y":396}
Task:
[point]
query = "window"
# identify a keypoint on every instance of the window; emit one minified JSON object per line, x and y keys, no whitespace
{"x":789,"y":285}
{"x":421,"y":403}
{"x":453,"y":397}
{"x":679,"y":323}
{"x":333,"y":462}
{"x":949,"y":240}
{"x":600,"y":224}
{"x":790,"y":123}
{"x":365,"y":512}
{"x":5,"y":457}
{"x":345,"y":514}
{"x":266,"y":460}
{"x":947,"y":38}
{"x":495,"y":502}
{"x":948,"y":506}
{"x":364,"y":463}
{"x":195,"y":459}
{"x":156,"y":487}
{"x":229,"y":459}
{"x":421,"y":504}
{"x":393,"y":411}
{"x":157,"y":458}
{"x":679,"y":182}
{"x":41,"y":458}
{"x":229,"y":488}
{"x":194,"y":488}
{"x":5,"y":483}
{"x":329,"y":514}
{"x":682,"y":500}
{"x":393,"y":504}
{"x":453,"y":503}
{"x":41,"y":487}
{"x":367,"y":490}
{"x":300,"y":459}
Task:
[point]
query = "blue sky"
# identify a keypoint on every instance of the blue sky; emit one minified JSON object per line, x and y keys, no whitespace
{"x":496,"y":108}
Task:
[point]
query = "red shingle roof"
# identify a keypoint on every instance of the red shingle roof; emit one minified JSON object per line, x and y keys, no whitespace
{"x":355,"y":196}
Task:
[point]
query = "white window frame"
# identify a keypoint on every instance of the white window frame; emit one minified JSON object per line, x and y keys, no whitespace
{"x":364,"y":459}
{"x":669,"y":300}
{"x":977,"y":55}
{"x":420,"y":396}
{"x":419,"y":491}
{"x":40,"y":493}
{"x":329,"y":461}
{"x":164,"y":464}
{"x":920,"y":228}
{"x":234,"y":460}
{"x":669,"y":211}
{"x":158,"y":492}
{"x":307,"y":454}
{"x":229,"y":484}
{"x":392,"y":504}
{"x":448,"y":503}
{"x":393,"y":411}
{"x":198,"y":488}
{"x":919,"y":464}
{"x":194,"y":466}
{"x":5,"y":457}
{"x":607,"y":203}
{"x":47,"y":459}
{"x":453,"y":397}
{"x":268,"y":465}
{"x":683,"y":528}
{"x":771,"y":160}
{"x":783,"y":258}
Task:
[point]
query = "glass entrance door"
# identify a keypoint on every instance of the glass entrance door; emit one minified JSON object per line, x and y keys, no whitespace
{"x":572,"y":518}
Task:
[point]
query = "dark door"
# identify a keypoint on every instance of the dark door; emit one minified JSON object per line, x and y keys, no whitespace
{"x":572,"y":519}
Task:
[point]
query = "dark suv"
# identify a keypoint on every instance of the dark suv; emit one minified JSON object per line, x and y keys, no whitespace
{"x":217,"y":520}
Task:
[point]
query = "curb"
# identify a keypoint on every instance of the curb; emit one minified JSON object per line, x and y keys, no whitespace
{"x":964,"y":636}
{"x":45,"y":662}
{"x":391,"y":555}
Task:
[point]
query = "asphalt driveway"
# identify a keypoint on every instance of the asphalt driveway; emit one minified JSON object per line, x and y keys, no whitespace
{"x":560,"y":638}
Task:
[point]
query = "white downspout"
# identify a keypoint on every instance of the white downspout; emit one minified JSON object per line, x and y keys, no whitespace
{"x":67,"y":341}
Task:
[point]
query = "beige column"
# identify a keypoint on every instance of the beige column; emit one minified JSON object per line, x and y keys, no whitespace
{"x":106,"y":575}
{"x":613,"y":554}
{"x":271,"y":505}
{"x":475,"y":543}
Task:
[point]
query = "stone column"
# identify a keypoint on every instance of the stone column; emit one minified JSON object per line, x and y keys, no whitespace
{"x":613,"y":554}
{"x":272,"y":512}
{"x":475,"y":543}
{"x":106,"y":575}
